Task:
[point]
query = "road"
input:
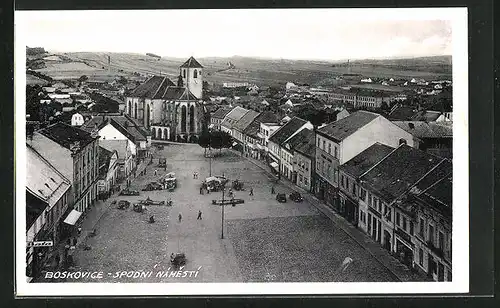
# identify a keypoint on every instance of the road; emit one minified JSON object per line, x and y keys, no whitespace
{"x":263,"y":240}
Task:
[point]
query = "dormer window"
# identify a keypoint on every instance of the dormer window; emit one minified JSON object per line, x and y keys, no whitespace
{"x":195,"y":75}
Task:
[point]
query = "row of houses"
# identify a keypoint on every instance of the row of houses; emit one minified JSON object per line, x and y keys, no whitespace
{"x":379,"y":175}
{"x":69,"y":169}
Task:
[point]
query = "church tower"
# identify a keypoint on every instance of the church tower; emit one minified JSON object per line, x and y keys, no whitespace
{"x":192,"y":77}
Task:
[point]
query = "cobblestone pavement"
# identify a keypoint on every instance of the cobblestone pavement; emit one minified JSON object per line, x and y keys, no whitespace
{"x":263,"y":240}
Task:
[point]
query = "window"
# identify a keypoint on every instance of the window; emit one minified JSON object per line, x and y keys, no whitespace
{"x":318,"y":142}
{"x":195,"y":74}
{"x":300,"y":178}
{"x":305,"y":181}
{"x":362,"y":194}
{"x":421,"y":231}
{"x":420,"y":257}
{"x":324,"y":144}
{"x":411,"y":227}
{"x":431,"y":233}
{"x":404,"y":223}
{"x":441,"y":240}
{"x":342,"y":179}
{"x":354,"y":187}
{"x":336,"y":154}
{"x":369,"y":199}
{"x":184,"y":73}
{"x":329,"y":148}
{"x":398,"y":219}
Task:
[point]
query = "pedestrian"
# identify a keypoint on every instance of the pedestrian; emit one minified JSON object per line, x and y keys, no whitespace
{"x":272,"y":190}
{"x":79,"y":232}
{"x":156,"y":172}
{"x":194,"y":175}
{"x":201,"y":190}
{"x":180,"y":217}
{"x":74,"y":241}
{"x":199,"y":215}
{"x":251,"y":191}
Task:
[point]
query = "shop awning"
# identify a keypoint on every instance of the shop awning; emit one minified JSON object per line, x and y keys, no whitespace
{"x":72,"y":217}
{"x":274,"y":165}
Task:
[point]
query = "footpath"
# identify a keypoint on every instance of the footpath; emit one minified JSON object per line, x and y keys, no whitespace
{"x":89,"y":220}
{"x":400,"y":271}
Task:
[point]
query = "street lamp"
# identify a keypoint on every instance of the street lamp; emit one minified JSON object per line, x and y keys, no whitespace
{"x":222,"y":222}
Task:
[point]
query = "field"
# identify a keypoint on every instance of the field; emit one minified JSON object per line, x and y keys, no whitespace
{"x":259,"y":71}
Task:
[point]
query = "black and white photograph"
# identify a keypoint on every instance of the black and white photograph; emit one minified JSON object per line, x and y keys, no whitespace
{"x":253,"y":151}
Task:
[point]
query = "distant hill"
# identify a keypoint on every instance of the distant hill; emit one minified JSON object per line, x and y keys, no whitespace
{"x":242,"y":69}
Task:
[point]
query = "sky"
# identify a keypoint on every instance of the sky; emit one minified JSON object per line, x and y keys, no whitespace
{"x":316,"y":34}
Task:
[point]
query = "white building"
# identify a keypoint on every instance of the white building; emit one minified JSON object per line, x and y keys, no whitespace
{"x":77,"y":120}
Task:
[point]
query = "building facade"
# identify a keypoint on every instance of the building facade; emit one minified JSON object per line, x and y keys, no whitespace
{"x":75,"y":154}
{"x":172,"y":112}
{"x":339,"y":141}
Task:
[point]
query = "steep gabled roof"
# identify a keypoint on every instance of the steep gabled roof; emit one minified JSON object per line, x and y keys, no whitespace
{"x":245,"y":120}
{"x":343,"y":128}
{"x":152,"y":86}
{"x":287,"y":130}
{"x":191,"y":63}
{"x":401,"y":113}
{"x":177,"y":93}
{"x":65,"y":135}
{"x":360,"y":163}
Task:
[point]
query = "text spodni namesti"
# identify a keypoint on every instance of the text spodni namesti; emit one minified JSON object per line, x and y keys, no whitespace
{"x":178,"y":273}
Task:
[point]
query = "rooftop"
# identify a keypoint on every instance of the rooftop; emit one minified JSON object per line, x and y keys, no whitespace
{"x":151,"y":87}
{"x":123,"y":123}
{"x":177,"y":93}
{"x":66,"y":135}
{"x":263,"y":117}
{"x":221,"y":113}
{"x":422,"y":129}
{"x":401,"y":113}
{"x":245,"y":120}
{"x":397,"y":172}
{"x":192,"y":63}
{"x":43,"y":180}
{"x":287,"y":130}
{"x":34,"y":208}
{"x":360,"y":163}
{"x":302,"y":137}
{"x":343,"y":128}
{"x":233,"y":116}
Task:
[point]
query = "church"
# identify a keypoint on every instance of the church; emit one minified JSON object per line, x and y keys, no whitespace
{"x":172,"y":112}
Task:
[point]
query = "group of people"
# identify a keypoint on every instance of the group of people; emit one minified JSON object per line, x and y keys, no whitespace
{"x":195,"y":175}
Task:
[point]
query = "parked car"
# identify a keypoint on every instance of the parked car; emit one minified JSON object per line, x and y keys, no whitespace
{"x":297,"y":197}
{"x":123,"y":204}
{"x":128,"y":192}
{"x":281,"y":198}
{"x":153,"y":186}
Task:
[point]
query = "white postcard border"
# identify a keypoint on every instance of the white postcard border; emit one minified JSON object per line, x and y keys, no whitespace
{"x":460,"y":234}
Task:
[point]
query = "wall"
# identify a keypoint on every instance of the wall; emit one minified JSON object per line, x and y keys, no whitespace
{"x":109,"y":132}
{"x":303,"y":167}
{"x":379,"y":130}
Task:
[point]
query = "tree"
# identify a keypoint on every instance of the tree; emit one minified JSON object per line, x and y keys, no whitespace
{"x":83,"y":78}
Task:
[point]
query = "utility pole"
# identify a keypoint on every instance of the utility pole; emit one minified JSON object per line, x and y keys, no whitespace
{"x":222,"y":223}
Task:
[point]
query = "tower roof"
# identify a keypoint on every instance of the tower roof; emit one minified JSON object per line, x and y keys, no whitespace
{"x":192,"y":63}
